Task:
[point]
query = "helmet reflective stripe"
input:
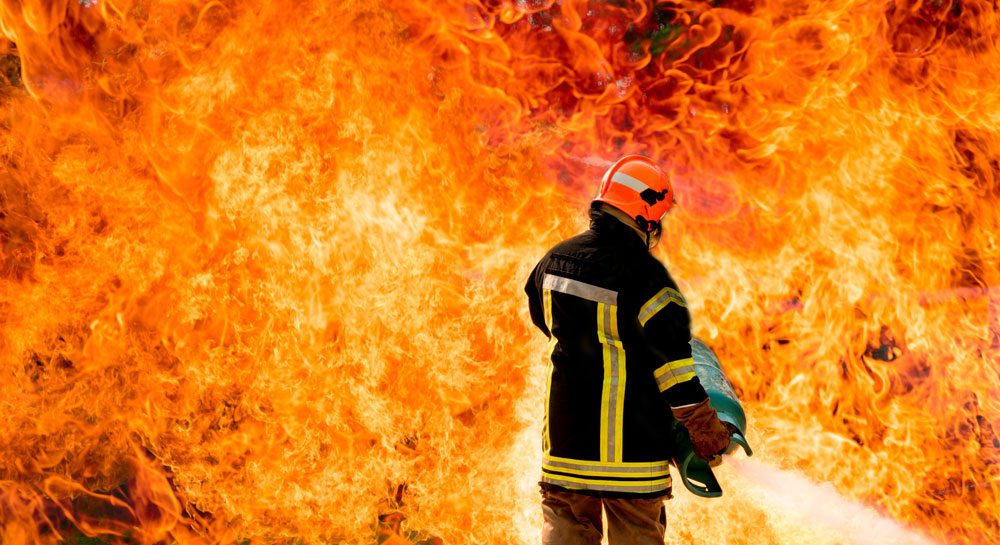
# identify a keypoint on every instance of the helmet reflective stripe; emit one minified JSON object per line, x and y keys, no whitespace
{"x":629,"y":182}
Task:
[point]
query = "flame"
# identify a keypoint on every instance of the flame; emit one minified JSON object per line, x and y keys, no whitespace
{"x":261,"y":262}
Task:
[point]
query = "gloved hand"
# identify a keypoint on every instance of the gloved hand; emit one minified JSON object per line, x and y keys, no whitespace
{"x":708,"y":434}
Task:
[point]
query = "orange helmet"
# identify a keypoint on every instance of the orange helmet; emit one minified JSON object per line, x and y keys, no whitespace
{"x":636,"y":186}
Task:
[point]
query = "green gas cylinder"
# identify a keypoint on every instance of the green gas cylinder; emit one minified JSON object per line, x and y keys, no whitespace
{"x":695,"y":472}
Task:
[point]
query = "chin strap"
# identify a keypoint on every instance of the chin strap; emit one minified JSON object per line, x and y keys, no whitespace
{"x":646,"y":226}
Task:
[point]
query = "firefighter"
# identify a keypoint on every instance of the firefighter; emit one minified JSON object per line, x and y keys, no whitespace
{"x":619,"y":365}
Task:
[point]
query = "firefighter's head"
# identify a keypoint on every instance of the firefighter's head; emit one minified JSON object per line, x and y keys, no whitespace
{"x":634,"y":187}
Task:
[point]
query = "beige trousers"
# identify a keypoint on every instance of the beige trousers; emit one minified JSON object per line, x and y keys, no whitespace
{"x":575,"y":519}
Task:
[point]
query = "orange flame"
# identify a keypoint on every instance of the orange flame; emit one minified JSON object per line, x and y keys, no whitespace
{"x":261,"y":262}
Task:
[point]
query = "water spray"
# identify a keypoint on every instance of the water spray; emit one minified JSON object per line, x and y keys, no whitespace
{"x":821,"y":504}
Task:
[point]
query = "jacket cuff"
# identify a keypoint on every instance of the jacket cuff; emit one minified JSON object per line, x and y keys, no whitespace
{"x":689,"y":392}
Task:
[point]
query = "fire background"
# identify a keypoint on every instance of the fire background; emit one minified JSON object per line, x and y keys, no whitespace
{"x":261,"y":261}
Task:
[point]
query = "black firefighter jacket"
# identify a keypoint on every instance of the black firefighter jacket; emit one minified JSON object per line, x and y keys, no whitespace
{"x":619,"y":333}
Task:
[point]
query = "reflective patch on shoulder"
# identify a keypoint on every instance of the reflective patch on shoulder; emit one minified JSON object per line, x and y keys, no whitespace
{"x":579,"y":289}
{"x":658,"y":302}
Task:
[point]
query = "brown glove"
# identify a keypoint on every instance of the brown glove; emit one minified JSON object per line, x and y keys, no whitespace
{"x":708,"y":434}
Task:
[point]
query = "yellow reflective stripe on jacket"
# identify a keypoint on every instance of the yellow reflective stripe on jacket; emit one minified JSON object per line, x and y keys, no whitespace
{"x":586,"y":473}
{"x":547,"y":302}
{"x":550,"y":458}
{"x":575,"y":483}
{"x":658,"y":302}
{"x":613,"y":390}
{"x":636,"y":477}
{"x":620,"y":397}
{"x":674,"y":372}
{"x":606,"y":469}
{"x":580,"y":289}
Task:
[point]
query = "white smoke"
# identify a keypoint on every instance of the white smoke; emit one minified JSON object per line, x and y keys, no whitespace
{"x":820,"y":503}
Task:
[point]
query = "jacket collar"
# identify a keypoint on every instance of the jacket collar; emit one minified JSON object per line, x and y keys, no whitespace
{"x":607,"y":226}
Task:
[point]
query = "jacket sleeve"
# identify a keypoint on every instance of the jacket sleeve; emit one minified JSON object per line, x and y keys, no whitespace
{"x":666,"y":324}
{"x":534,"y":301}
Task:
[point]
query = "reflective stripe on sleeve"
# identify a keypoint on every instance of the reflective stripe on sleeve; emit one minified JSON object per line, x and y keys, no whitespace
{"x":675,"y":372}
{"x":580,"y":289}
{"x":658,"y":302}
